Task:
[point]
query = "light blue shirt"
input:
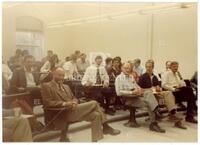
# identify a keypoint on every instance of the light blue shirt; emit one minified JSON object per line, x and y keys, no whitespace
{"x":140,"y":70}
{"x":125,"y":84}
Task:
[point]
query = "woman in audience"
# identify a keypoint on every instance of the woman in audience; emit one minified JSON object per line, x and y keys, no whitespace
{"x":133,"y":73}
{"x":137,"y":66}
{"x":70,"y":67}
{"x":47,"y":68}
{"x":82,"y":64}
{"x":50,"y":64}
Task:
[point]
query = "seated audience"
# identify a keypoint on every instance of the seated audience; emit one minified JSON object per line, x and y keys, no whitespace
{"x":70,"y":67}
{"x":149,"y":81}
{"x":126,"y":86}
{"x":15,"y":129}
{"x":57,"y":94}
{"x":173,"y":81}
{"x":82,"y":64}
{"x":137,"y":66}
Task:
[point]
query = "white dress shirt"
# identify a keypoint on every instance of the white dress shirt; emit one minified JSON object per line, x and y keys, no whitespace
{"x":29,"y":78}
{"x":70,"y":68}
{"x":46,"y":67}
{"x":140,"y":70}
{"x":7,"y":73}
{"x":170,"y":80}
{"x":124,"y":85}
{"x":91,"y":72}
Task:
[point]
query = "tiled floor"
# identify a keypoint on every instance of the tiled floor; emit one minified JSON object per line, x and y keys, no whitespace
{"x":142,"y":134}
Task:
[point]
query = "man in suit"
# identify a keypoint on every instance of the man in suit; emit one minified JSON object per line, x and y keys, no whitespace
{"x":24,"y":79}
{"x":57,"y":94}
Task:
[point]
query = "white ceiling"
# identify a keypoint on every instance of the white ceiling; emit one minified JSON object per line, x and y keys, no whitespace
{"x":50,"y":12}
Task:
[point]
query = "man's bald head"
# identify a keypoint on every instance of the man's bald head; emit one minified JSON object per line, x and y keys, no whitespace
{"x":58,"y":75}
{"x":126,"y":68}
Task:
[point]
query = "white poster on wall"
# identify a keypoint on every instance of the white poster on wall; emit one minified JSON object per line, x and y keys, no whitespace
{"x":92,"y":56}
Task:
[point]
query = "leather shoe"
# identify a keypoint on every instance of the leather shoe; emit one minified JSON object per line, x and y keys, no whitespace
{"x":180,"y":125}
{"x":154,"y":127}
{"x":110,"y":130}
{"x":191,"y":119}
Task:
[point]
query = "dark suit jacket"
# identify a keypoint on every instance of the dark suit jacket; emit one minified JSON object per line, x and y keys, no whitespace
{"x":19,"y":79}
{"x":145,"y":81}
{"x":53,"y":97}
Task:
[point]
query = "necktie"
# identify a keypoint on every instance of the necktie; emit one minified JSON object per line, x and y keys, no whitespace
{"x":98,"y":77}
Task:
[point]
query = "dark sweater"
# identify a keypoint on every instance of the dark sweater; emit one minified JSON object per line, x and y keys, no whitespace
{"x":146,"y":82}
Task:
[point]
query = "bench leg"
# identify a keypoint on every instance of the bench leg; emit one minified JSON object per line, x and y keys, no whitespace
{"x":132,"y":121}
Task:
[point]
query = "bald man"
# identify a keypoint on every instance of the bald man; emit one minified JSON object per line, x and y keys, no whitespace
{"x":127,"y":87}
{"x":57,"y":94}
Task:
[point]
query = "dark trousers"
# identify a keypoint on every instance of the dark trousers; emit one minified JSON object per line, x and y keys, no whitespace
{"x":101,"y":95}
{"x":186,"y":94}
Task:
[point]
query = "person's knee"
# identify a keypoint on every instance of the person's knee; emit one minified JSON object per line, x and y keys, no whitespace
{"x":96,"y":116}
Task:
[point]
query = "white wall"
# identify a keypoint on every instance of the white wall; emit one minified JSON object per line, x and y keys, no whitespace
{"x":174,"y":38}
